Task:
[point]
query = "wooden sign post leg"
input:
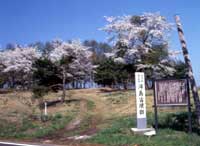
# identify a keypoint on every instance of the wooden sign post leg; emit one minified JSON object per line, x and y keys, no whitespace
{"x":156,"y":117}
{"x":155,"y":109}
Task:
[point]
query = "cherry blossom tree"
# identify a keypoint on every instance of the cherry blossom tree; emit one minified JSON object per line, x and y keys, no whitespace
{"x":18,"y":62}
{"x":134,"y":37}
{"x":74,"y":59}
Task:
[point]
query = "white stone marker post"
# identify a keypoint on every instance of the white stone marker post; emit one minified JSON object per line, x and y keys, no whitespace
{"x":45,"y":108}
{"x":140,"y":100}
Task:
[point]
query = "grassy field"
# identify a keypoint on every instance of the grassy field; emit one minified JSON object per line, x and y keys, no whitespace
{"x":104,"y":114}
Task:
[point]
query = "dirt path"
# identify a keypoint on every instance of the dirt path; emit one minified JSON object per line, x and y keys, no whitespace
{"x":79,"y":118}
{"x":101,"y":109}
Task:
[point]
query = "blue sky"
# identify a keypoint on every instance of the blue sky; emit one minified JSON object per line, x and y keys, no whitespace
{"x":26,"y":21}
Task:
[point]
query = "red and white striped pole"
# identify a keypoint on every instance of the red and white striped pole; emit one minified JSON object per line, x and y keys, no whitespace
{"x":189,"y":66}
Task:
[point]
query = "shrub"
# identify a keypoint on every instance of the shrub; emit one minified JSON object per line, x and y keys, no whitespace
{"x":179,"y":121}
{"x":38,"y":94}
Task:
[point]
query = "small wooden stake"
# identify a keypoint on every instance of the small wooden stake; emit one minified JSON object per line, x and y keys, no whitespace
{"x":45,"y":108}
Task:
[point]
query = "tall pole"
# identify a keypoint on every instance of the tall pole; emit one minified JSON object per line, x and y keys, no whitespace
{"x":189,"y":67}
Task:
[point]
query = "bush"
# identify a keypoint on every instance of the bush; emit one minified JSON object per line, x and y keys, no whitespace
{"x":179,"y":121}
{"x":39,"y":91}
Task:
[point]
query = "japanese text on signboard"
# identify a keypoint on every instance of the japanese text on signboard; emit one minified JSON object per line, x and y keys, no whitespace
{"x":171,"y":92}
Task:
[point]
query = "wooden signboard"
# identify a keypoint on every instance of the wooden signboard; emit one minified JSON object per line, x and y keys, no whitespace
{"x":172,"y":92}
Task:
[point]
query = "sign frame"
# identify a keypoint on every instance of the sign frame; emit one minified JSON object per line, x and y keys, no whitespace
{"x":188,"y":104}
{"x":171,"y":104}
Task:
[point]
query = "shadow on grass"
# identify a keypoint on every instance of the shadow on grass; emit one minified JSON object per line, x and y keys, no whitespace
{"x":55,"y":102}
{"x":179,"y":121}
{"x":113,"y":90}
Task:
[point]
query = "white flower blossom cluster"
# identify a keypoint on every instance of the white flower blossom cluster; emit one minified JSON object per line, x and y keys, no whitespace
{"x":129,"y":28}
{"x":81,"y":64}
{"x":140,"y":34}
{"x":19,"y":59}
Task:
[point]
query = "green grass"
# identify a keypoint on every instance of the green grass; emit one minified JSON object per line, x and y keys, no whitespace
{"x":33,"y":129}
{"x":57,"y":122}
{"x":119,"y":134}
{"x":118,"y":97}
{"x":90,"y":105}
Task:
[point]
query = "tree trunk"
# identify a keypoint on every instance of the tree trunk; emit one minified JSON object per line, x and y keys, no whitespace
{"x":189,"y":67}
{"x":76,"y":84}
{"x":125,"y":82}
{"x":64,"y":88}
{"x":40,"y":101}
{"x":12,"y":81}
{"x":73,"y":84}
{"x":29,"y":82}
{"x":146,"y":84}
{"x":84,"y":84}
